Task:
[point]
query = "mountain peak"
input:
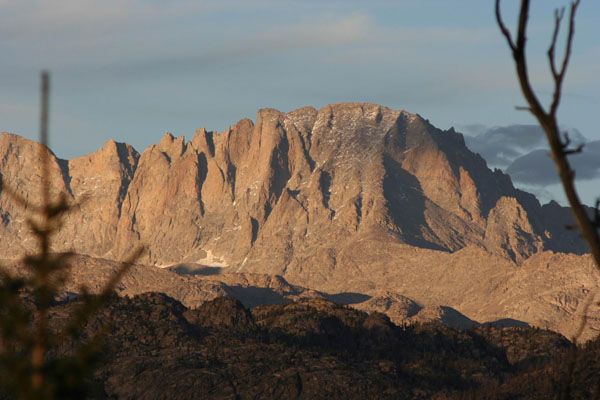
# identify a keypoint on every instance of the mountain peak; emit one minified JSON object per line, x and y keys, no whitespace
{"x":269,"y":196}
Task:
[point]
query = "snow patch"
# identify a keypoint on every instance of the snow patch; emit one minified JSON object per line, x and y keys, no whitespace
{"x":211,"y":261}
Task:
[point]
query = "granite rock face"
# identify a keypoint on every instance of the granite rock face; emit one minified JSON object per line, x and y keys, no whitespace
{"x":272,"y":195}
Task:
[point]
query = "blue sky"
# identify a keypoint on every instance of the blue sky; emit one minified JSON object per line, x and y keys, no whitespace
{"x":133,"y":69}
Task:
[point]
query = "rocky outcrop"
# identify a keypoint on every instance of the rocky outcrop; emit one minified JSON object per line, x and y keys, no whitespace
{"x":397,"y":307}
{"x":509,"y":232}
{"x":403,"y":311}
{"x":98,"y":183}
{"x":21,"y":174}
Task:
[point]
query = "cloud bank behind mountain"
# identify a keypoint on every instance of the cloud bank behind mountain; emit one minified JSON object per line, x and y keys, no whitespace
{"x":522,"y":152}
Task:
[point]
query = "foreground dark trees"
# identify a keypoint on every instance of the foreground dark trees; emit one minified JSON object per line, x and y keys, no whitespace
{"x":30,"y":366}
{"x":314,"y":349}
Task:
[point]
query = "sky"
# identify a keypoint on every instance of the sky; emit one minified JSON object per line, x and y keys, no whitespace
{"x":134,"y":69}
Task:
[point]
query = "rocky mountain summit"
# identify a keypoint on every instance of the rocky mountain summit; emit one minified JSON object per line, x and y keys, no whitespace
{"x":351,"y":198}
{"x":282,"y":185}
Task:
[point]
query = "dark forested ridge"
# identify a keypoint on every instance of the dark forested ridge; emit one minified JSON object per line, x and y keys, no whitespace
{"x":315,"y":349}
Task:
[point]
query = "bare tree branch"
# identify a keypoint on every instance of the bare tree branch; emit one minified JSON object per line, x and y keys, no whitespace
{"x":547,"y":118}
{"x":503,"y":27}
{"x":567,"y":142}
{"x":558,"y":16}
{"x":559,"y":75}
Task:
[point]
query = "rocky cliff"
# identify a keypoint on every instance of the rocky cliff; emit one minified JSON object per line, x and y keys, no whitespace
{"x":284,"y":193}
{"x":354,"y":198}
